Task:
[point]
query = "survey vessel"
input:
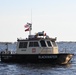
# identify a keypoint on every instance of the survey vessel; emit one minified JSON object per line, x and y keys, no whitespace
{"x":38,"y":48}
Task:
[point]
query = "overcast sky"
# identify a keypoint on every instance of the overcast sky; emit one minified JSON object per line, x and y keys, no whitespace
{"x":56,"y":17}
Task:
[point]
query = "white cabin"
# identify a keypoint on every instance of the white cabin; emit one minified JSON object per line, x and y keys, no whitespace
{"x":37,"y":45}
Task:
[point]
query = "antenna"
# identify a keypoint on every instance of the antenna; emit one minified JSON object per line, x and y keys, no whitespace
{"x":31,"y":16}
{"x":31,"y":24}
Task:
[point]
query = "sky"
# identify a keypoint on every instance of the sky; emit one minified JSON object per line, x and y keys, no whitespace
{"x":56,"y":17}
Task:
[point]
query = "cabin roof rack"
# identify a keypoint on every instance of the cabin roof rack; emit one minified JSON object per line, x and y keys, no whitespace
{"x":37,"y":36}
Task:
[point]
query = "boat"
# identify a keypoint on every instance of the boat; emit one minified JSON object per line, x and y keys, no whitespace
{"x":38,"y":48}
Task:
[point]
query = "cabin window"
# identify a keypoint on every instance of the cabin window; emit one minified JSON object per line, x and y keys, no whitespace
{"x":33,"y":44}
{"x":49,"y":43}
{"x":54,"y":43}
{"x":43,"y":44}
{"x":36,"y":44}
{"x":23,"y":45}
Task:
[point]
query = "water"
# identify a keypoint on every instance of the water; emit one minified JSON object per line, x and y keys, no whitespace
{"x":42,"y":69}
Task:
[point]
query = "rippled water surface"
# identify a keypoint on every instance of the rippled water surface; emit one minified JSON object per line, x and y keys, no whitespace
{"x":42,"y":69}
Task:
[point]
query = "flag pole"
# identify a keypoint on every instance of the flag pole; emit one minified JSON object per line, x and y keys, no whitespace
{"x":31,"y":16}
{"x":29,"y":25}
{"x":30,"y":28}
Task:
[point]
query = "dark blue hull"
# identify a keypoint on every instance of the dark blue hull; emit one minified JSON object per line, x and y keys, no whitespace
{"x":37,"y":58}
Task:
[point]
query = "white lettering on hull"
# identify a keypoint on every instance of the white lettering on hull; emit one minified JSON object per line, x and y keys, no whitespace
{"x":47,"y":57}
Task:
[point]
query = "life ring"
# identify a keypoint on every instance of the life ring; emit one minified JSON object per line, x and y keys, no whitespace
{"x":33,"y":50}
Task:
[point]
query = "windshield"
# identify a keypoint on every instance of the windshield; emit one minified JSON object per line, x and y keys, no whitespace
{"x":54,"y":43}
{"x":49,"y":44}
{"x":43,"y":44}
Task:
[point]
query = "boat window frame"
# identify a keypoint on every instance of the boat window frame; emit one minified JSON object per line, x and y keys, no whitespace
{"x":54,"y":43}
{"x":49,"y":44}
{"x":33,"y":44}
{"x":41,"y":43}
{"x":23,"y":44}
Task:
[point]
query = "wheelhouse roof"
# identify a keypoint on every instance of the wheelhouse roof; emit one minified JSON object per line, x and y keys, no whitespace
{"x":36,"y":39}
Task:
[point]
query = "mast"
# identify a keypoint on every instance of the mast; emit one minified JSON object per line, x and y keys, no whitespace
{"x":30,"y":28}
{"x":30,"y":25}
